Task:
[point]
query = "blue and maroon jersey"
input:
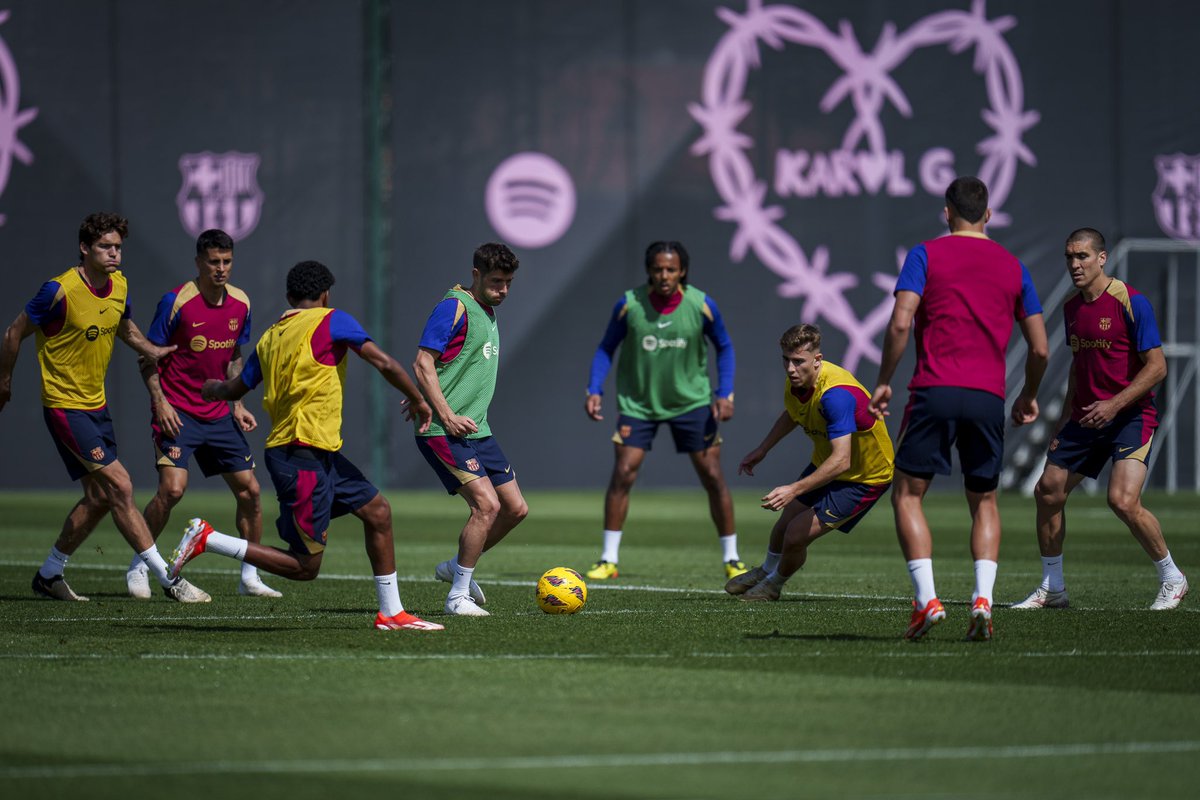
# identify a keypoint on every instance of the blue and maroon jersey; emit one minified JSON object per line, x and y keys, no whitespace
{"x":1106,"y":336}
{"x":972,"y":290}
{"x":205,"y":336}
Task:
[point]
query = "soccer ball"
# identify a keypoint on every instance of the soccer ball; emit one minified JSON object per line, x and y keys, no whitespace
{"x":561,"y":591}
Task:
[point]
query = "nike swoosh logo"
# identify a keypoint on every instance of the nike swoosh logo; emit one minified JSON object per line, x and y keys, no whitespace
{"x":665,"y":324}
{"x":1124,"y":450}
{"x":104,"y":309}
{"x":197,"y":324}
{"x":248,"y":458}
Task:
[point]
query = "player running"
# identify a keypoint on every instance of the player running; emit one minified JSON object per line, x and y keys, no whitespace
{"x":1108,"y":414}
{"x":851,"y":462}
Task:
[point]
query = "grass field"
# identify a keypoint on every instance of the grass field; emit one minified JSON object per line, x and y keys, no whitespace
{"x":663,"y":687}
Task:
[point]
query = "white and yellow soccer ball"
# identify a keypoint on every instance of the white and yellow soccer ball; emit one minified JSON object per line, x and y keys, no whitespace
{"x":561,"y":591}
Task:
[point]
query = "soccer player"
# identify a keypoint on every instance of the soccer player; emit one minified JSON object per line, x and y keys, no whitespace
{"x":662,"y":377}
{"x":77,"y":316}
{"x":1108,"y":414}
{"x":962,"y":293}
{"x":457,"y":361}
{"x":301,"y":359}
{"x":208,"y":321}
{"x":851,"y":462}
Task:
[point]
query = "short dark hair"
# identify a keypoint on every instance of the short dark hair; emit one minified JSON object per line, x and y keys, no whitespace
{"x":494,"y":256}
{"x":308,"y":280}
{"x":669,"y":247}
{"x":1091,"y":235}
{"x":801,"y":336}
{"x":213,"y":239}
{"x":967,"y":198}
{"x":95,"y":226}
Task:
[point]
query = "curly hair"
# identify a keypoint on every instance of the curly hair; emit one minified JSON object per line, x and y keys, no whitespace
{"x":670,"y":247}
{"x":101,"y":223}
{"x":308,"y":280}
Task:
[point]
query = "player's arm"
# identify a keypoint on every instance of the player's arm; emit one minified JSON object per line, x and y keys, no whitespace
{"x":837,"y":463}
{"x":241,"y":414}
{"x":614,"y":334}
{"x":782,"y":427}
{"x":165,"y":414}
{"x":1025,"y":408}
{"x":714,"y":329}
{"x":130,"y":334}
{"x":894,"y":343}
{"x":398,"y":377}
{"x":426,"y":371}
{"x":17,"y":332}
{"x":234,"y":388}
{"x":1154,"y":369}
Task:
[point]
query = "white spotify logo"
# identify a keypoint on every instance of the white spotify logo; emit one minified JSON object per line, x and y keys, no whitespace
{"x":530,"y":200}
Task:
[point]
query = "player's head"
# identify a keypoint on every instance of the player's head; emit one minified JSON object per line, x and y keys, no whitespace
{"x":666,"y":267}
{"x":213,"y":239}
{"x":967,"y":200}
{"x":308,"y":281}
{"x":801,"y":347}
{"x":1086,"y":255}
{"x":100,"y":238}
{"x":492,"y":270}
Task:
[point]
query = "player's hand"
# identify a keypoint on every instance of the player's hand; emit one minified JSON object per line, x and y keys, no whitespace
{"x":209,"y":390}
{"x":420,"y":411}
{"x":779,"y":497}
{"x":168,"y":419}
{"x":750,"y":462}
{"x":1099,"y":414}
{"x":460,"y":426}
{"x":1024,"y":410}
{"x":879,"y":401}
{"x":592,"y":406}
{"x":5,"y":396}
{"x":244,"y":418}
{"x":154,"y":353}
{"x":722,"y":409}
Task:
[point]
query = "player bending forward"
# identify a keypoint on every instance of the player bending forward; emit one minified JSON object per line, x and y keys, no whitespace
{"x":851,"y":462}
{"x":302,"y":361}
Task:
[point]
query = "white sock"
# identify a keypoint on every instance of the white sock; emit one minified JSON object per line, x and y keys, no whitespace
{"x":136,"y":564}
{"x":1052,"y":574}
{"x":921,"y":572}
{"x":1167,"y":571}
{"x":771,"y":561}
{"x":461,"y":585}
{"x":249,"y":572}
{"x":154,"y":562}
{"x":225,"y":545}
{"x":388,"y":592}
{"x":56,"y":562}
{"x":775,"y":578}
{"x":612,"y":545}
{"x":985,"y":580}
{"x":729,"y":547}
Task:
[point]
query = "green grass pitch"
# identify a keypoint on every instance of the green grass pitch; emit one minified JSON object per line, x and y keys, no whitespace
{"x":663,"y":687}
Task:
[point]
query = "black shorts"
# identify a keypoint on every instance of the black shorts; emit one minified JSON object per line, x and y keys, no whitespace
{"x":939,"y":417}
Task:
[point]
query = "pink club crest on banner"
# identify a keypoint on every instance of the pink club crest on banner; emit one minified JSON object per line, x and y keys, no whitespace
{"x":863,"y":164}
{"x":1176,"y":198}
{"x":220,"y":190}
{"x":12,"y":119}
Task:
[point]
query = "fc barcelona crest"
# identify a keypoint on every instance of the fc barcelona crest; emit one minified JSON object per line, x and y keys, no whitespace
{"x":220,"y":190}
{"x":473,"y":464}
{"x":1105,"y":323}
{"x":97,"y":454}
{"x":1176,"y":198}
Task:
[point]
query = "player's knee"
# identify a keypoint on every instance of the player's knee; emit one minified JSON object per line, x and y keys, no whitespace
{"x":1124,"y":504}
{"x":378,"y":513}
{"x":1047,"y":495}
{"x":517,"y":512}
{"x":171,"y":494}
{"x":486,"y":509}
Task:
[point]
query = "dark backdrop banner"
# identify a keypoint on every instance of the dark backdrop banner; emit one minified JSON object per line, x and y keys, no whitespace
{"x":797,"y":149}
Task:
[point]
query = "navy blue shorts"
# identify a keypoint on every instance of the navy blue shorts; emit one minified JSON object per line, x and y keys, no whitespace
{"x":693,"y":432}
{"x":84,"y":439}
{"x":939,"y":417}
{"x":841,"y":504}
{"x":459,"y":461}
{"x":218,"y":445}
{"x":313,"y":486}
{"x":1085,"y":450}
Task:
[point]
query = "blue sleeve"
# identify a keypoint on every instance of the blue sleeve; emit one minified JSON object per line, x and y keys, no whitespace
{"x":162,"y":327}
{"x":1145,"y":328}
{"x":245,"y":337}
{"x":252,"y":371}
{"x":614,"y":334}
{"x":128,"y":313}
{"x":440,"y":327}
{"x":913,"y":273}
{"x":42,"y":309}
{"x":837,"y":407}
{"x":345,"y":329}
{"x":1029,"y":299}
{"x":715,"y":330}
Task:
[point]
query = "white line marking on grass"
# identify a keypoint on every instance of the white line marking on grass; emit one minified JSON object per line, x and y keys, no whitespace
{"x":600,"y":761}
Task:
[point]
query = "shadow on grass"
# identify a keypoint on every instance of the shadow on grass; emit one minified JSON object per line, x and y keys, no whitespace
{"x":816,"y":637}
